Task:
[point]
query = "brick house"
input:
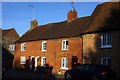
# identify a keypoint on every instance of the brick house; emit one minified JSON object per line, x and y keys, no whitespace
{"x":9,"y":36}
{"x":101,"y":40}
{"x":56,"y":44}
{"x":76,"y":40}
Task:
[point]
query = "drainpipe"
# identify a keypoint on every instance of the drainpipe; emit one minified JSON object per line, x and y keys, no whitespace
{"x":82,"y":49}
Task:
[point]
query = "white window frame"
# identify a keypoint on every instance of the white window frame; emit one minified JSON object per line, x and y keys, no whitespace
{"x":22,"y":60}
{"x":64,"y":45}
{"x":105,"y":61}
{"x":44,"y":46}
{"x":64,"y":63}
{"x":108,"y":40}
{"x":23,"y":47}
{"x":12,"y":47}
{"x":43,"y":61}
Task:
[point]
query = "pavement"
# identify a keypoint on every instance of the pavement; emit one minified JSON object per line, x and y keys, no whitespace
{"x":11,"y":74}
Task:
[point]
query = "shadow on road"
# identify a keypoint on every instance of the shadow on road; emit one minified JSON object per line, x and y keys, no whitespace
{"x":23,"y":75}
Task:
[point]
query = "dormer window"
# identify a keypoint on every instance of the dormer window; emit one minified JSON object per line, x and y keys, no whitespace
{"x":106,"y":40}
{"x":44,"y":46}
{"x":65,"y":45}
{"x":23,"y":47}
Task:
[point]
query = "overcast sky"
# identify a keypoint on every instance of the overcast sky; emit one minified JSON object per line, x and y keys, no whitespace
{"x":19,"y":14}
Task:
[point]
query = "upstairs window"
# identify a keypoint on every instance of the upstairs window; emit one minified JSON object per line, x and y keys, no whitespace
{"x":64,"y":63}
{"x":106,"y":40}
{"x":106,"y":61}
{"x":23,"y":47}
{"x":12,"y":47}
{"x":65,"y":45}
{"x":44,"y":46}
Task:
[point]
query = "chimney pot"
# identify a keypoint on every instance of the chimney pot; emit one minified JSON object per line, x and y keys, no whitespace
{"x":34,"y":24}
{"x":72,"y":15}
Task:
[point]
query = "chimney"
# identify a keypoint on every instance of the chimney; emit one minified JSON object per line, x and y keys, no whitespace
{"x":72,"y":15}
{"x":34,"y":24}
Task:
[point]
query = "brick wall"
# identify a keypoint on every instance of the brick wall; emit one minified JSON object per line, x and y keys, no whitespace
{"x":53,"y":54}
{"x":92,"y":49}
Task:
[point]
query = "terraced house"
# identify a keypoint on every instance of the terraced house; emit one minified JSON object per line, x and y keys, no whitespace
{"x":91,"y":39}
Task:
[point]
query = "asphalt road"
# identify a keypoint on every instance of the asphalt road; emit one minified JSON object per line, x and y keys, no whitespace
{"x":25,"y":75}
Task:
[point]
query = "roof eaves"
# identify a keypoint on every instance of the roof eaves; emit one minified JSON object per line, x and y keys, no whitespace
{"x":47,"y":39}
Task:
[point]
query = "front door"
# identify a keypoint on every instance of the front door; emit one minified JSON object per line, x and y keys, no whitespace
{"x":32,"y":63}
{"x":74,"y":61}
{"x":36,"y":62}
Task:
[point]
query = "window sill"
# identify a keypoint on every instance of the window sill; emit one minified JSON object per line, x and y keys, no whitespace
{"x":64,"y":68}
{"x":64,"y":49}
{"x":22,"y":63}
{"x":23,"y":51}
{"x":106,"y":46}
{"x":11,"y":50}
{"x":43,"y":50}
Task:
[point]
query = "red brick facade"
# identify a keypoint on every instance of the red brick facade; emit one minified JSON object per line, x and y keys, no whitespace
{"x":53,"y":54}
{"x":84,"y":40}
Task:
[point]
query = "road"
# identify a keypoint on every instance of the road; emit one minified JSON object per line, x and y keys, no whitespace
{"x":25,"y":75}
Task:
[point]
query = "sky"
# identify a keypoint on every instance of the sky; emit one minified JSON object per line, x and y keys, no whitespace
{"x":18,"y":15}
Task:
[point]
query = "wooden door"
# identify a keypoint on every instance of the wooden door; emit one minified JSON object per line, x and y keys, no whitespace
{"x":74,"y":61}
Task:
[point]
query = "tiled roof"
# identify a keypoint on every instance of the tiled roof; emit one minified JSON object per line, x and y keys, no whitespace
{"x":10,"y":35}
{"x":105,"y":17}
{"x":6,"y":31}
{"x":55,"y":30}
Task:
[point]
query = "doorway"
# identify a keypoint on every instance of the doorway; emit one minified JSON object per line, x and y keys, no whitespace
{"x":36,"y":62}
{"x":32,"y":63}
{"x":74,"y":61}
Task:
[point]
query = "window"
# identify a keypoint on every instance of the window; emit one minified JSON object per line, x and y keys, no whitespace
{"x":65,"y":45}
{"x":22,"y":60}
{"x":106,"y":40}
{"x":44,"y":46}
{"x":106,"y":61}
{"x":43,"y":61}
{"x":12,"y":47}
{"x":23,"y":47}
{"x":64,"y":63}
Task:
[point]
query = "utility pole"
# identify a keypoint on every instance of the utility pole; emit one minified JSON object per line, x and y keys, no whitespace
{"x":32,"y":11}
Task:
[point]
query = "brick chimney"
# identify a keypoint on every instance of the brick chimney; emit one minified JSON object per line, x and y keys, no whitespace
{"x":72,"y":15}
{"x":33,"y":24}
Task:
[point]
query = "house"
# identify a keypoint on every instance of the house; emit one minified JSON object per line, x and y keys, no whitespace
{"x":9,"y":36}
{"x":55,"y":44}
{"x":101,"y":40}
{"x":91,"y":39}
